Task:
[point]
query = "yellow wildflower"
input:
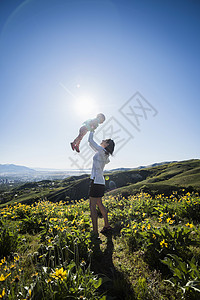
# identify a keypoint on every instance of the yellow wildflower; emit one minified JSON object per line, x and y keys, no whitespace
{"x":59,"y":274}
{"x":12,"y":266}
{"x":189,"y":225}
{"x":16,"y":258}
{"x":3,"y":278}
{"x":3,"y":294}
{"x":149,"y":226}
{"x":3,"y":260}
{"x":163,"y":244}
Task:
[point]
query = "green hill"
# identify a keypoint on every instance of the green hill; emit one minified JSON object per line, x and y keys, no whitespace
{"x":160,"y":179}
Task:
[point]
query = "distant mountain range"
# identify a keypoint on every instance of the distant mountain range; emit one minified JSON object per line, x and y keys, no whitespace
{"x":9,"y":169}
{"x":14,"y":169}
{"x":10,"y":173}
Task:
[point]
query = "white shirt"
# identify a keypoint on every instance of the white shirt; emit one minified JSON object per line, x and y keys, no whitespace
{"x":99,"y":161}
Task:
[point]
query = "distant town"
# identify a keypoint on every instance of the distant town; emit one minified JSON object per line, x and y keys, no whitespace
{"x":12,"y":175}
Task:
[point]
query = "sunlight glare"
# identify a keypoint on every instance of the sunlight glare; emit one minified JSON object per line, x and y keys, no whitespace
{"x":84,"y":106}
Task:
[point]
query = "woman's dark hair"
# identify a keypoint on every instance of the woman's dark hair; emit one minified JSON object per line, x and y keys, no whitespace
{"x":110,"y":147}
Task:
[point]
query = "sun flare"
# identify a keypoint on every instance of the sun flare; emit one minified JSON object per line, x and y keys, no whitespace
{"x":84,"y":106}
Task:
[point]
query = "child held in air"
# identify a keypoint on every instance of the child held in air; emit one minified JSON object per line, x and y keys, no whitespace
{"x":89,"y":125}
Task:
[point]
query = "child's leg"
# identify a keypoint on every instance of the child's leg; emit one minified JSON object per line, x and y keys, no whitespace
{"x":83,"y":130}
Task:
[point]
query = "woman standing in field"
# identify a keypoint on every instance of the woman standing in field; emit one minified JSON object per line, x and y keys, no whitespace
{"x":97,"y":181}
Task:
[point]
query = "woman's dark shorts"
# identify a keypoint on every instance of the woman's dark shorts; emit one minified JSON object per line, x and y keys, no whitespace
{"x":96,"y":190}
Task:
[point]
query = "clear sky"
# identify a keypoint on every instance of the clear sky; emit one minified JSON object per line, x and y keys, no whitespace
{"x":64,"y":61}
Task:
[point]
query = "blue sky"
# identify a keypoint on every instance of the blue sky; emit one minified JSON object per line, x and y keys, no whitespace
{"x":63,"y":62}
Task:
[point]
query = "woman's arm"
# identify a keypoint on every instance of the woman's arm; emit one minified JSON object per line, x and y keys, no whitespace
{"x":92,"y":143}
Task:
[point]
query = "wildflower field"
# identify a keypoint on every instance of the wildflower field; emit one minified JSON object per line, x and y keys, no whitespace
{"x":47,"y":250}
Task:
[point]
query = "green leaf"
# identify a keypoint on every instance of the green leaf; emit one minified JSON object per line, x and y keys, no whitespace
{"x":178,"y":273}
{"x":71,"y":265}
{"x":167,"y":261}
{"x":98,"y":283}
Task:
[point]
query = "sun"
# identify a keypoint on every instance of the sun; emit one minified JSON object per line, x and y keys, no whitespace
{"x":84,"y":106}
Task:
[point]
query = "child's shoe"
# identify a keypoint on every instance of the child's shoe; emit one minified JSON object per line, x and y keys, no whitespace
{"x":73,"y":146}
{"x":77,"y":148}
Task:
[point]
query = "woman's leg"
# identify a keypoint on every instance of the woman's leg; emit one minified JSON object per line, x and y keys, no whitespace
{"x":93,"y":203}
{"x":103,"y":210}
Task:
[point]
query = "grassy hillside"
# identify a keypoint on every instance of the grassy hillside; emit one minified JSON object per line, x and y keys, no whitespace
{"x":69,"y":189}
{"x":161,"y":179}
{"x":48,"y":250}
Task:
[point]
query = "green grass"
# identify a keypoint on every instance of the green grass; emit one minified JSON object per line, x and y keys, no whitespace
{"x":38,"y":240}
